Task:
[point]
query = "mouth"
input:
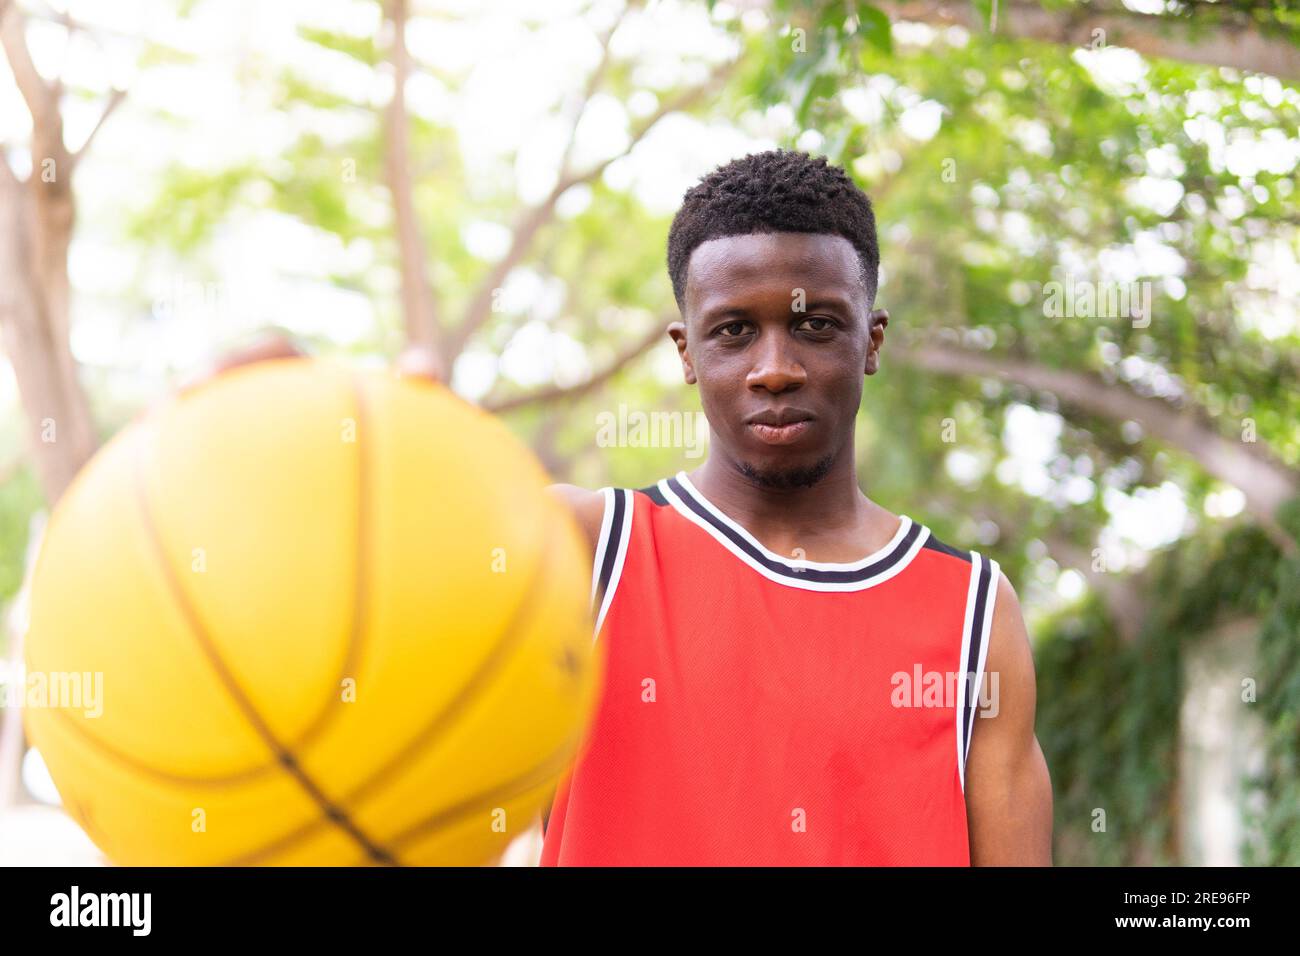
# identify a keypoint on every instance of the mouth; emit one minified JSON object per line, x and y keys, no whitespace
{"x":780,"y":428}
{"x":779,"y":434}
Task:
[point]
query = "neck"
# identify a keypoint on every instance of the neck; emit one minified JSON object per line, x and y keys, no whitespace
{"x":833,"y":503}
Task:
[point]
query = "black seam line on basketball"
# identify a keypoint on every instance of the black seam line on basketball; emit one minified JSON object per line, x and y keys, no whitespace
{"x":360,"y":588}
{"x":111,"y":751}
{"x":789,"y":571}
{"x":539,"y":775}
{"x":611,"y":548}
{"x":285,"y":758}
{"x":320,"y":721}
{"x":487,"y":670}
{"x":972,"y":660}
{"x":137,"y":765}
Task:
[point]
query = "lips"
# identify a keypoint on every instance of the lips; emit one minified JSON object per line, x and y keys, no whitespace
{"x":779,"y":434}
{"x":780,"y":427}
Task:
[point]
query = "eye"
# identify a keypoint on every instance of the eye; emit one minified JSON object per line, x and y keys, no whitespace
{"x":739,"y":326}
{"x":826,"y":324}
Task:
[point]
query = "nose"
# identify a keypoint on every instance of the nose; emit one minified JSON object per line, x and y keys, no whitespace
{"x":776,"y":367}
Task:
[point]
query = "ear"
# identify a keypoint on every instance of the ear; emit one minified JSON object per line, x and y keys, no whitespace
{"x":677,"y":331}
{"x":876,"y":339}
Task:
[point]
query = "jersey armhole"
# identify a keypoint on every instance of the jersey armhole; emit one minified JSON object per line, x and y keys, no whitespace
{"x":611,"y":551}
{"x":981,"y":596}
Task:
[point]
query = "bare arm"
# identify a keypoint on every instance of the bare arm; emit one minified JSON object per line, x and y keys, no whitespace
{"x":587,"y":506}
{"x":1008,"y":788}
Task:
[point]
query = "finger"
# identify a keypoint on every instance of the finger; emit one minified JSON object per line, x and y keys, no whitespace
{"x":272,"y":345}
{"x":267,"y":346}
{"x":421,"y":362}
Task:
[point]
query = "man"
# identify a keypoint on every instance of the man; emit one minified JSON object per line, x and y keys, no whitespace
{"x":795,"y":675}
{"x":793,"y":671}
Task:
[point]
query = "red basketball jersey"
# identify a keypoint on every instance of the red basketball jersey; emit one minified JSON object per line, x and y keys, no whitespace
{"x":760,"y":710}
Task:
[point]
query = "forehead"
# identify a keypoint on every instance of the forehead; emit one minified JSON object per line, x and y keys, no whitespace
{"x":773,"y":262}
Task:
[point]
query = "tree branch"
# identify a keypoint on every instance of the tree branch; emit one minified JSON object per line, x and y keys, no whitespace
{"x":556,"y":392}
{"x":39,"y":96}
{"x":532,"y":221}
{"x":1121,"y":593}
{"x":1234,"y":41}
{"x":114,"y":100}
{"x":419,"y":304}
{"x":1266,"y":483}
{"x":7,"y":171}
{"x":593,"y":84}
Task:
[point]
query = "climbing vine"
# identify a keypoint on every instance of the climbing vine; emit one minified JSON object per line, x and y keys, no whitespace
{"x":1109,"y":710}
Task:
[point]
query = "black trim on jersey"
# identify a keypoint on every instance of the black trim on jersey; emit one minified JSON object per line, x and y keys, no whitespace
{"x":973,"y":654}
{"x":611,"y":547}
{"x":787,"y":570}
{"x":935,"y":544}
{"x":654,"y":494}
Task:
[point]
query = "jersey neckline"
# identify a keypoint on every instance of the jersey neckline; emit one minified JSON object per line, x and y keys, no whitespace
{"x":875,"y":568}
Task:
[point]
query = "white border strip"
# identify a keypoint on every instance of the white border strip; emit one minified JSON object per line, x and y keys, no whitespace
{"x":602,"y":541}
{"x":989,"y":607}
{"x":976,"y":562}
{"x":620,"y":556}
{"x":990,"y":602}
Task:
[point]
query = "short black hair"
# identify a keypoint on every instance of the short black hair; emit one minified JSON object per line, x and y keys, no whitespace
{"x":776,"y":191}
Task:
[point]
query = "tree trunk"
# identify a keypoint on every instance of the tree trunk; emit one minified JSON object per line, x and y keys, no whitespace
{"x":419,"y":306}
{"x":36,"y":220}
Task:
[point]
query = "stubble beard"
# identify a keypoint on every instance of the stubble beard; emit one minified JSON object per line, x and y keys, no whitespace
{"x":788,"y":479}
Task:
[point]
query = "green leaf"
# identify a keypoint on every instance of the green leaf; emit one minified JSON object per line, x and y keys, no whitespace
{"x":875,"y":27}
{"x":359,"y":48}
{"x":984,"y":10}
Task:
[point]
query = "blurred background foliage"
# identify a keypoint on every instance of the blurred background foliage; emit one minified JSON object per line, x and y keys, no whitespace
{"x":1132,"y":473}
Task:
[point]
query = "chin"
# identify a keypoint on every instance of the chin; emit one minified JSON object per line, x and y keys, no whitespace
{"x":789,"y":474}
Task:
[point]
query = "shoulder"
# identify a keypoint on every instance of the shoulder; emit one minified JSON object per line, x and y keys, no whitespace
{"x":995,"y":625}
{"x":1009,"y":660}
{"x":966,"y":570}
{"x":994,"y":605}
{"x":1010,"y":653}
{"x":933,"y":543}
{"x":588,"y":507}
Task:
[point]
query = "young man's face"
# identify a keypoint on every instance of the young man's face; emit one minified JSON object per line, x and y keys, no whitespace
{"x":776,"y":337}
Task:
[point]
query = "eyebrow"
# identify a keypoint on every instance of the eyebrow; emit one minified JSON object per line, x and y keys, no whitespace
{"x":719,"y":311}
{"x":821,"y":302}
{"x":829,"y":302}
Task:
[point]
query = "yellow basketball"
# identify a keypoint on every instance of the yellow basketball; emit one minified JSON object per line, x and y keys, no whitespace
{"x":336,"y":619}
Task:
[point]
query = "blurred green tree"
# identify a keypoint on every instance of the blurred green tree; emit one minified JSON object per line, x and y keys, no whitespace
{"x":1088,"y":222}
